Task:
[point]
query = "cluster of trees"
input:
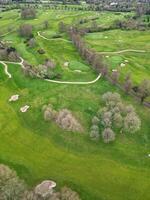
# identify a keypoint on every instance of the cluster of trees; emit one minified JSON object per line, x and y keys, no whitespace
{"x":28,"y":13}
{"x":8,"y":53}
{"x":45,"y":71}
{"x":12,"y":187}
{"x":64,"y":118}
{"x":114,"y":116}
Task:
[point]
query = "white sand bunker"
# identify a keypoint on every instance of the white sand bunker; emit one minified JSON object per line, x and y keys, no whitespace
{"x":114,"y":70}
{"x":66,"y":64}
{"x":106,"y":37}
{"x":45,"y":188}
{"x":107,"y":56}
{"x":24,"y":108}
{"x":14,"y":97}
{"x":122,"y":65}
{"x":149,"y":155}
{"x":77,"y":70}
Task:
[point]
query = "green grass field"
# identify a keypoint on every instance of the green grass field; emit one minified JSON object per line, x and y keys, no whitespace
{"x":116,"y":40}
{"x":39,"y":150}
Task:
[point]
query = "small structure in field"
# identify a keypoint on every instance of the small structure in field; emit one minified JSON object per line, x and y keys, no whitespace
{"x":122,"y":65}
{"x":24,"y":108}
{"x":106,"y":37}
{"x":126,"y":61}
{"x":45,"y":189}
{"x":149,"y":155}
{"x":14,"y":98}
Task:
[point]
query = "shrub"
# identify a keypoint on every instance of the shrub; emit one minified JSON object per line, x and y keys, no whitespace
{"x":66,"y":120}
{"x":49,"y":113}
{"x":118,"y":120}
{"x":132,"y":123}
{"x":28,"y":13}
{"x":95,"y":120}
{"x":25,"y":30}
{"x":11,"y":187}
{"x":108,"y":135}
{"x":68,"y":194}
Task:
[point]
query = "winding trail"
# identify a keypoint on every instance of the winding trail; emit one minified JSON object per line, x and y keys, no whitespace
{"x":48,"y":80}
{"x":6,"y":69}
{"x":7,"y":33}
{"x":75,"y":83}
{"x":123,"y":51}
{"x":49,"y":39}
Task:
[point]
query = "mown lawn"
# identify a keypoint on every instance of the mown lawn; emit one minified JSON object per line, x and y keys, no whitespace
{"x":116,"y":40}
{"x":38,"y":150}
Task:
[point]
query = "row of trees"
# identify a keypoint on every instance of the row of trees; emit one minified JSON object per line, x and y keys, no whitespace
{"x":114,"y":116}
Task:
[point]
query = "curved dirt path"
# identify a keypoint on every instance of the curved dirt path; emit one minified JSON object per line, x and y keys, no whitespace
{"x":49,"y":39}
{"x":6,"y":33}
{"x":123,"y":51}
{"x":75,"y":83}
{"x":48,"y":80}
{"x":6,"y":69}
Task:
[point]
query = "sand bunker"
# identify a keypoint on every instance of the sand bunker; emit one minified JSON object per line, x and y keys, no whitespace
{"x":24,"y":108}
{"x":14,"y":97}
{"x":122,"y":65}
{"x":126,"y":61}
{"x":66,"y":64}
{"x":77,"y":70}
{"x":114,"y":70}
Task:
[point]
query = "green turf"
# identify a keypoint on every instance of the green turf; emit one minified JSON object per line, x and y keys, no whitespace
{"x":116,"y":40}
{"x":38,"y":150}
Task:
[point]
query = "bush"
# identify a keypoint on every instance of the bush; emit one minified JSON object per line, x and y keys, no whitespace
{"x":66,"y":120}
{"x":108,"y":135}
{"x":25,"y":30}
{"x":132,"y":123}
{"x":11,"y":187}
{"x":95,"y":120}
{"x":28,"y":13}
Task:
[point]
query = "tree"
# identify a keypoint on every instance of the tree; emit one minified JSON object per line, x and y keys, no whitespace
{"x":11,"y":187}
{"x":108,"y":135}
{"x":118,"y":120}
{"x":95,"y":120}
{"x":128,"y":84}
{"x":62,"y":27}
{"x":132,"y":123}
{"x":27,"y":13}
{"x":94,"y":133}
{"x":25,"y":30}
{"x":107,"y":119}
{"x":115,"y":77}
{"x":111,"y":99}
{"x":67,"y":121}
{"x":46,"y":24}
{"x":144,"y":90}
{"x":68,"y":194}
